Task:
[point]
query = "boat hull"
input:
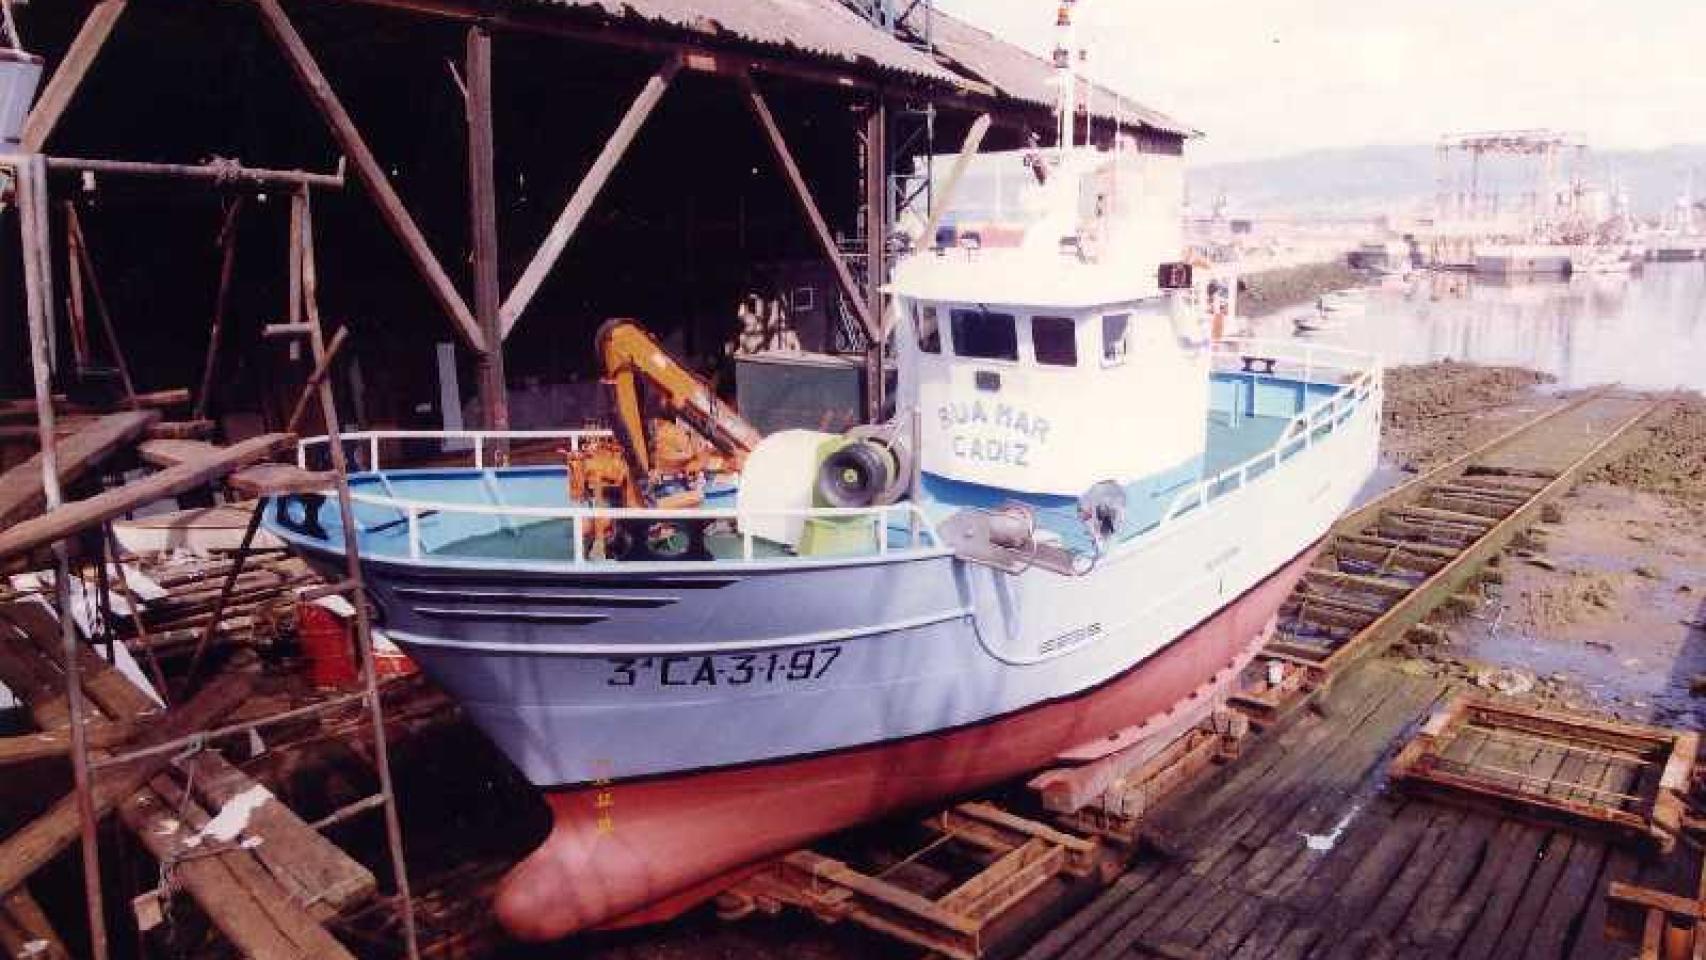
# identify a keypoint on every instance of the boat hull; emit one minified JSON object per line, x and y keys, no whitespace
{"x":616,"y":849}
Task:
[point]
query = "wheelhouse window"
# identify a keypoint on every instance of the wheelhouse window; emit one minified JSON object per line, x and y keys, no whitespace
{"x":982,"y":335}
{"x":1116,"y":334}
{"x":929,"y":329}
{"x":1054,"y":340}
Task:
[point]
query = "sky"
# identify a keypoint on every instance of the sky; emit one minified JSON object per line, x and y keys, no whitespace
{"x":1272,"y":77}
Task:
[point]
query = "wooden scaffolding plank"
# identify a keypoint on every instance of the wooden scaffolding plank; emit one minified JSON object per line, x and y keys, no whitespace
{"x":82,"y":514}
{"x":21,"y":495}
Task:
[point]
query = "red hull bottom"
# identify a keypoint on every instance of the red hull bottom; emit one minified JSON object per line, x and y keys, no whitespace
{"x":614,"y":851}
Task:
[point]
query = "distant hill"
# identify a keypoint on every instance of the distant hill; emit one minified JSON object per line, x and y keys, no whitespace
{"x":1401,"y":179}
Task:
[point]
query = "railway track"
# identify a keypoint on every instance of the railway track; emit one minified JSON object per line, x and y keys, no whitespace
{"x":977,"y":877}
{"x":1393,"y":562}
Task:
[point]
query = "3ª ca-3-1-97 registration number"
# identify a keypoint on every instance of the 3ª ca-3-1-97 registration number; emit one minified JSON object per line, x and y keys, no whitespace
{"x":739,"y":669}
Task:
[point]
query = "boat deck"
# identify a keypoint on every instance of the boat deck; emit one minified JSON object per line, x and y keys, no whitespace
{"x":1300,"y":850}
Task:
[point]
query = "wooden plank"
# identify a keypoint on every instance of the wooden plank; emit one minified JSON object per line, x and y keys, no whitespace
{"x":221,"y":302}
{"x":29,"y":747}
{"x":250,"y":922}
{"x":21,"y":495}
{"x":372,"y":175}
{"x":586,"y":193}
{"x":803,"y":194}
{"x":1464,"y":851}
{"x":310,"y":868}
{"x":25,"y":932}
{"x":1123,"y":891}
{"x":62,"y":87}
{"x":1571,"y":897}
{"x":273,"y":479}
{"x":82,"y":514}
{"x":28,"y":848}
{"x":171,"y":453}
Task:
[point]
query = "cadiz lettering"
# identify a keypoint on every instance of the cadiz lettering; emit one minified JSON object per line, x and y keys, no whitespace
{"x":1016,"y":432}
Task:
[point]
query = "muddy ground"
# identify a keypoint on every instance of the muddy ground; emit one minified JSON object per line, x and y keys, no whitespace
{"x":1603,"y":607}
{"x":1437,"y":411}
{"x":1268,"y":291}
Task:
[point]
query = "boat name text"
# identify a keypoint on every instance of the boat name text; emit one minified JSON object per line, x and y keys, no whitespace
{"x":1017,"y":430}
{"x":735,"y":670}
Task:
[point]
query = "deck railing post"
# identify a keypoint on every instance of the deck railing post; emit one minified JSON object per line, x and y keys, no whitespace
{"x":373,"y":452}
{"x":580,"y":542}
{"x":414,"y":533}
{"x":479,"y":451}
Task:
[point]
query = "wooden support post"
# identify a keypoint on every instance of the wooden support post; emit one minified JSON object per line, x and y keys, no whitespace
{"x":367,"y":168}
{"x":876,"y":262}
{"x":551,"y":248}
{"x":791,"y":170}
{"x":62,"y":86}
{"x":311,"y":389}
{"x":74,"y":294}
{"x":353,"y":575}
{"x":483,"y":213}
{"x":221,"y":300}
{"x":80,"y":245}
{"x":31,"y":192}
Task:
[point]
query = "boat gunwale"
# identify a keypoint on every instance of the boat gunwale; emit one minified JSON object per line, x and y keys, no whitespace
{"x":1186,"y":508}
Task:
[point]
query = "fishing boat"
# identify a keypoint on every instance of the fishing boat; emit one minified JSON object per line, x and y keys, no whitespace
{"x":709,"y":647}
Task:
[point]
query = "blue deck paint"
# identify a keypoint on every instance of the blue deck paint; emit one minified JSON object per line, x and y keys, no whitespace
{"x":1248,"y":414}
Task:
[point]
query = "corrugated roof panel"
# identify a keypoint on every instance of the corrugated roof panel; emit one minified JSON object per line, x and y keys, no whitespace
{"x":1023,"y":75}
{"x":822,"y":28}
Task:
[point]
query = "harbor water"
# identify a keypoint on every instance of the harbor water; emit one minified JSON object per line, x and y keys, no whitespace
{"x":1645,"y":331}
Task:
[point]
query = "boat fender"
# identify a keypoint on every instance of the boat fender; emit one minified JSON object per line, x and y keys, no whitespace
{"x":1102,"y":508}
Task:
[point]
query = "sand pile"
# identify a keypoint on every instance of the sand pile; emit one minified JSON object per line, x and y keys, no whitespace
{"x":1673,"y":457}
{"x":1436,"y":411}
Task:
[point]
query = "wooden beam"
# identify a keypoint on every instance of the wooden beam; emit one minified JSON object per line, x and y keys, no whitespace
{"x":876,"y":249}
{"x":802,"y":193}
{"x":24,"y":851}
{"x":367,"y":169}
{"x":321,"y":370}
{"x":80,"y":247}
{"x":223,"y":173}
{"x":68,"y":76}
{"x":21,"y":493}
{"x":221,"y":300}
{"x":580,"y":202}
{"x":82,"y":514}
{"x":483,"y":227}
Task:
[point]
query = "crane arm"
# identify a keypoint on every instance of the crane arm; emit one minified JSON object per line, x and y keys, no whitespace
{"x":629,"y":354}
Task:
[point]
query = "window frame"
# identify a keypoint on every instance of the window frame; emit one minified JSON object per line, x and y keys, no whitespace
{"x":955,"y":346}
{"x":1071,"y":324}
{"x":1123,"y":355}
{"x":919,"y":310}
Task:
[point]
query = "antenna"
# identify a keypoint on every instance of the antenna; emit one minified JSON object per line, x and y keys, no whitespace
{"x":1066,"y":44}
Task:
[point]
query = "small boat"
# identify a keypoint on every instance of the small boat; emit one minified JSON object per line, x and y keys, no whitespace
{"x":1318,"y":321}
{"x":1086,"y":513}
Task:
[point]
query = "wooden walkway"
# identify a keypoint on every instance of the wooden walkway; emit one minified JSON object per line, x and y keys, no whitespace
{"x":1299,"y":850}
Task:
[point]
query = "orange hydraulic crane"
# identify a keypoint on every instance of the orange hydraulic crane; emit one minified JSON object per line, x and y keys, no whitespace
{"x":656,"y":451}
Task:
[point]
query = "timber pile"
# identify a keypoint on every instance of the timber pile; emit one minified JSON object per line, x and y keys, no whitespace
{"x":261,"y":606}
{"x":267,"y":887}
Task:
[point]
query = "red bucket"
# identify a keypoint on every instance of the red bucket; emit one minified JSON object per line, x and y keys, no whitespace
{"x":325,"y":639}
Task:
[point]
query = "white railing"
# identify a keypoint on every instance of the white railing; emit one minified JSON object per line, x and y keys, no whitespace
{"x":908,"y":516}
{"x":478,"y":439}
{"x":1362,"y":372}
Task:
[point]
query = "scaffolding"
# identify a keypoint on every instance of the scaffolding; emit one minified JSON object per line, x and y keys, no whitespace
{"x":105,"y":778}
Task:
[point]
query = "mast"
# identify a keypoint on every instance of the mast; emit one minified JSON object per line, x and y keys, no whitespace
{"x":1065,"y":55}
